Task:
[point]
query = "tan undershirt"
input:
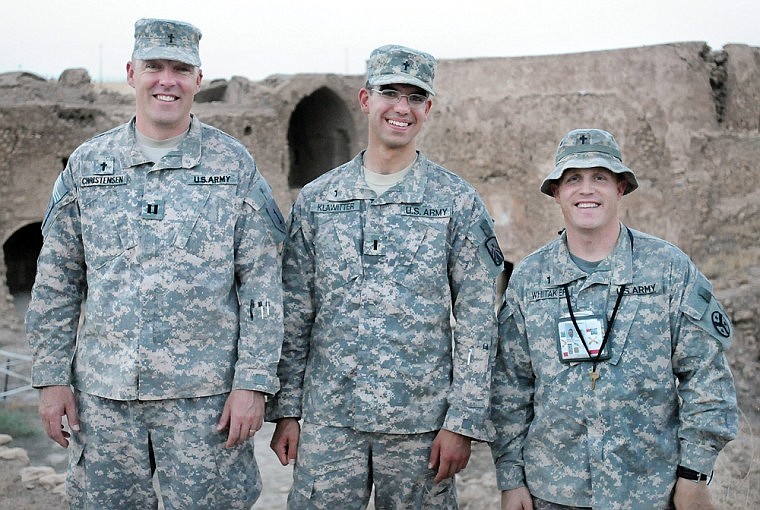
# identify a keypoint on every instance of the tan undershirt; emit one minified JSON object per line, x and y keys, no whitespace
{"x":157,"y":149}
{"x":379,"y":183}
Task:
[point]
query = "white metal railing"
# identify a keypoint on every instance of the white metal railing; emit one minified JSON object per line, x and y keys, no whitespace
{"x":17,"y":367}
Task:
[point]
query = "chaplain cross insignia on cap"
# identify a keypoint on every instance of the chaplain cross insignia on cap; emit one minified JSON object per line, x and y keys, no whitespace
{"x":583,"y":139}
{"x":157,"y":39}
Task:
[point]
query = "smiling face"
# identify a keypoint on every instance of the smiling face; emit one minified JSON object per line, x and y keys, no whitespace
{"x":164,"y":93}
{"x":588,"y":198}
{"x":393,"y":125}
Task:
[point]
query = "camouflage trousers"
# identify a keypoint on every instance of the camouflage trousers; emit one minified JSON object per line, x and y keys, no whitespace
{"x":123,"y":444}
{"x":540,"y":504}
{"x":337,"y":468}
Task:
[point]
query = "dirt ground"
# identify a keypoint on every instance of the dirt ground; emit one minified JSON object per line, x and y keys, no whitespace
{"x":736,"y":483}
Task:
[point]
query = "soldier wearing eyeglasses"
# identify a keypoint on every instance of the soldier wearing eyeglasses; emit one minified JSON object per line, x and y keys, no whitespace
{"x":631,"y":411}
{"x":379,"y":388}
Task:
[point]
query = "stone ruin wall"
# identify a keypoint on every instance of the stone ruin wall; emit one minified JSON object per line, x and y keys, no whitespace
{"x":687,"y":119}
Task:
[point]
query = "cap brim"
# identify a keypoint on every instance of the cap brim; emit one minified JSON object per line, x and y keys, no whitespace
{"x":158,"y":53}
{"x":389,"y":79}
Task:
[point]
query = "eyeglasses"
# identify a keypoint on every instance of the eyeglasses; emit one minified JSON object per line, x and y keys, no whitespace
{"x":394,"y":96}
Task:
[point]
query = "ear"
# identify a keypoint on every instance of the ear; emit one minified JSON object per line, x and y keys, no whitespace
{"x":130,"y":74}
{"x":428,"y":106}
{"x":198,"y":80}
{"x":364,"y":99}
{"x":622,"y":185}
{"x":554,"y":188}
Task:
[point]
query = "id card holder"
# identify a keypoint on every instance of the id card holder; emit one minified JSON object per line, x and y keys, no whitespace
{"x":569,"y":345}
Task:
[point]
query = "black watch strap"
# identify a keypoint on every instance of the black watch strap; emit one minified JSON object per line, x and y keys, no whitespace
{"x":690,"y":474}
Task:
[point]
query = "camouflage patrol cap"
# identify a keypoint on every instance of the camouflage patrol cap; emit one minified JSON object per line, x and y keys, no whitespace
{"x":589,"y":148}
{"x":398,"y":64}
{"x":167,"y":39}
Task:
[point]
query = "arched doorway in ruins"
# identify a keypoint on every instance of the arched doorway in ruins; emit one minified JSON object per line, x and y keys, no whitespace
{"x":20,"y":252}
{"x":320,"y":136}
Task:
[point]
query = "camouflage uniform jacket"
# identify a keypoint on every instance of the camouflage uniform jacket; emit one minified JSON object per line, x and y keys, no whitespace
{"x":370,"y":284}
{"x":177,"y":266}
{"x":616,"y":446}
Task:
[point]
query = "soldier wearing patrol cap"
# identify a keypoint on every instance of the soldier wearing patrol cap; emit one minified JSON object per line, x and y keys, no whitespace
{"x":631,"y":410}
{"x":380,"y":252}
{"x":164,"y":234}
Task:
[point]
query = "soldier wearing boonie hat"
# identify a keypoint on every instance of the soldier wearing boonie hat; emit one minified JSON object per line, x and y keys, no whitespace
{"x":380,"y":252}
{"x":638,"y":401}
{"x":398,"y":64}
{"x":168,"y":372}
{"x":589,"y":148}
{"x":167,"y":39}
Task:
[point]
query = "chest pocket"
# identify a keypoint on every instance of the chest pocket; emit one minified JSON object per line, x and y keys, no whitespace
{"x":621,"y":329}
{"x":106,"y":231}
{"x":641,"y":330}
{"x":421,"y":259}
{"x":336,"y":239}
{"x":207,"y":230}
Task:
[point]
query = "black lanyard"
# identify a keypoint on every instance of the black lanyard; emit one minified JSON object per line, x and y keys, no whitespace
{"x":611,"y":321}
{"x":607,"y":330}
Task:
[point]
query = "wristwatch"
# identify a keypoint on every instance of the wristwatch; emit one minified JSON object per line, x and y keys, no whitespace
{"x":690,"y":474}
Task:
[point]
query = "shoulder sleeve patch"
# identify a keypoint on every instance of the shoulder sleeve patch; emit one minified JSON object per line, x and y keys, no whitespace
{"x":705,"y":312}
{"x":483,"y":236}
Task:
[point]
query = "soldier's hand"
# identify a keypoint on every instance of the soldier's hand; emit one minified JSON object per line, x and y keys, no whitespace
{"x":243,"y":413}
{"x":55,"y":403}
{"x":285,"y":440}
{"x":450,"y":454}
{"x":516,"y":499}
{"x":692,"y":496}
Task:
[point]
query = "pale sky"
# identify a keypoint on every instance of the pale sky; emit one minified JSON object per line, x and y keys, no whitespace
{"x":258,"y":38}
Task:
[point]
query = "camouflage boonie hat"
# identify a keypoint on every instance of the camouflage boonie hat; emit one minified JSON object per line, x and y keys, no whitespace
{"x":589,"y":148}
{"x":167,"y":39}
{"x":397,"y":64}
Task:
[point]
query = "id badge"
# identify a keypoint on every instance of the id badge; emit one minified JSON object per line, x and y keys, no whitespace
{"x":569,"y":343}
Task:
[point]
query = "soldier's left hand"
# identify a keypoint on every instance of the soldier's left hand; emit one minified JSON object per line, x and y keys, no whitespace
{"x":692,"y":496}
